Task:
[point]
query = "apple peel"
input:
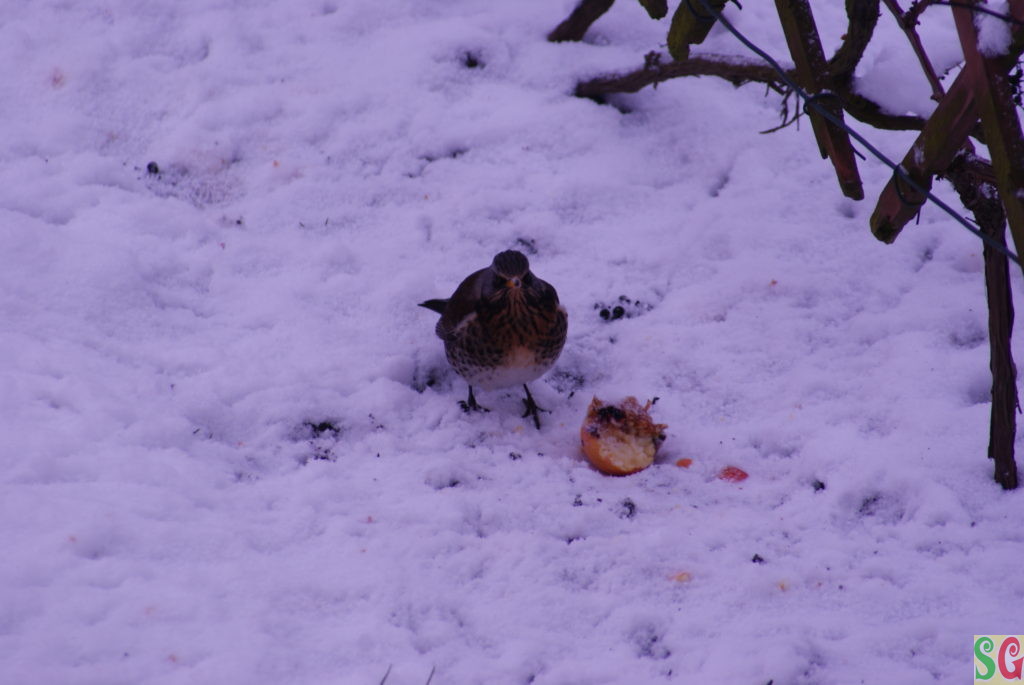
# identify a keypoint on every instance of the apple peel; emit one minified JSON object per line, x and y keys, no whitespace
{"x":733,"y":474}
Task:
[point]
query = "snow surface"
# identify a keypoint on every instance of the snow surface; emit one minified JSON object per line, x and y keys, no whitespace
{"x":171,"y":339}
{"x":993,"y":32}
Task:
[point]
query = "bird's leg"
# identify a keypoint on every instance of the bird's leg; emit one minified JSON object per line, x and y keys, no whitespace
{"x":469,"y":404}
{"x":532,"y":408}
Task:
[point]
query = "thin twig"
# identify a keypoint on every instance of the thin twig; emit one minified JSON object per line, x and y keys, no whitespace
{"x":915,"y":43}
{"x":787,"y":121}
{"x":915,"y":10}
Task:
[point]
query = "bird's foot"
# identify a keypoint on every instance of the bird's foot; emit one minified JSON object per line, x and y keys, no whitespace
{"x":470,"y":404}
{"x":532,"y":408}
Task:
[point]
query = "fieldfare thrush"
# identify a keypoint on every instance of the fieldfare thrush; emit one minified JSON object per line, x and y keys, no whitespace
{"x":503,"y":326}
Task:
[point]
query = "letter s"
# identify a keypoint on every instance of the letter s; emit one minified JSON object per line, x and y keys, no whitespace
{"x":983,"y":646}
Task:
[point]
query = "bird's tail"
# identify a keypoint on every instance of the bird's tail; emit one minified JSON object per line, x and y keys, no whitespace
{"x":435,"y":305}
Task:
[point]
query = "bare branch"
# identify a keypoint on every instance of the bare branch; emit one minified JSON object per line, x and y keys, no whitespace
{"x":917,"y":7}
{"x":577,"y":23}
{"x":738,"y":73}
{"x":812,"y":74}
{"x":654,"y":71}
{"x":870,"y":112}
{"x":863,"y":16}
{"x":994,"y":95}
{"x":971,"y":185}
{"x":915,"y":43}
{"x":942,"y":139}
{"x":656,"y":9}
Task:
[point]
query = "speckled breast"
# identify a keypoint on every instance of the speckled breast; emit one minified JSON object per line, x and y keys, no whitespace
{"x":502,"y":351}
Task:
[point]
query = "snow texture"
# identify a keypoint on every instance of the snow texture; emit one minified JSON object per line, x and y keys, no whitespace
{"x":993,"y":31}
{"x":231,"y":446}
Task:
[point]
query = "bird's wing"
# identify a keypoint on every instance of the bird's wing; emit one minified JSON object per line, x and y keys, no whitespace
{"x":462,"y":303}
{"x":549,"y":296}
{"x":435,"y":305}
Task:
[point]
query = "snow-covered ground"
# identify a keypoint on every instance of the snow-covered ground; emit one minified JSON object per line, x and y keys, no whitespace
{"x":231,"y":447}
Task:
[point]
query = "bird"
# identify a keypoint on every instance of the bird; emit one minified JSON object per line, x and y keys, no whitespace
{"x":502,"y":327}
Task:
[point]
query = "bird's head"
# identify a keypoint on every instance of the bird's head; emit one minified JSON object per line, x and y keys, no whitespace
{"x":511,"y":273}
{"x":508,"y":282}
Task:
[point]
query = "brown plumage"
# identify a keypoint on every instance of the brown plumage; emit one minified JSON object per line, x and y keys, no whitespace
{"x":502,"y":326}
